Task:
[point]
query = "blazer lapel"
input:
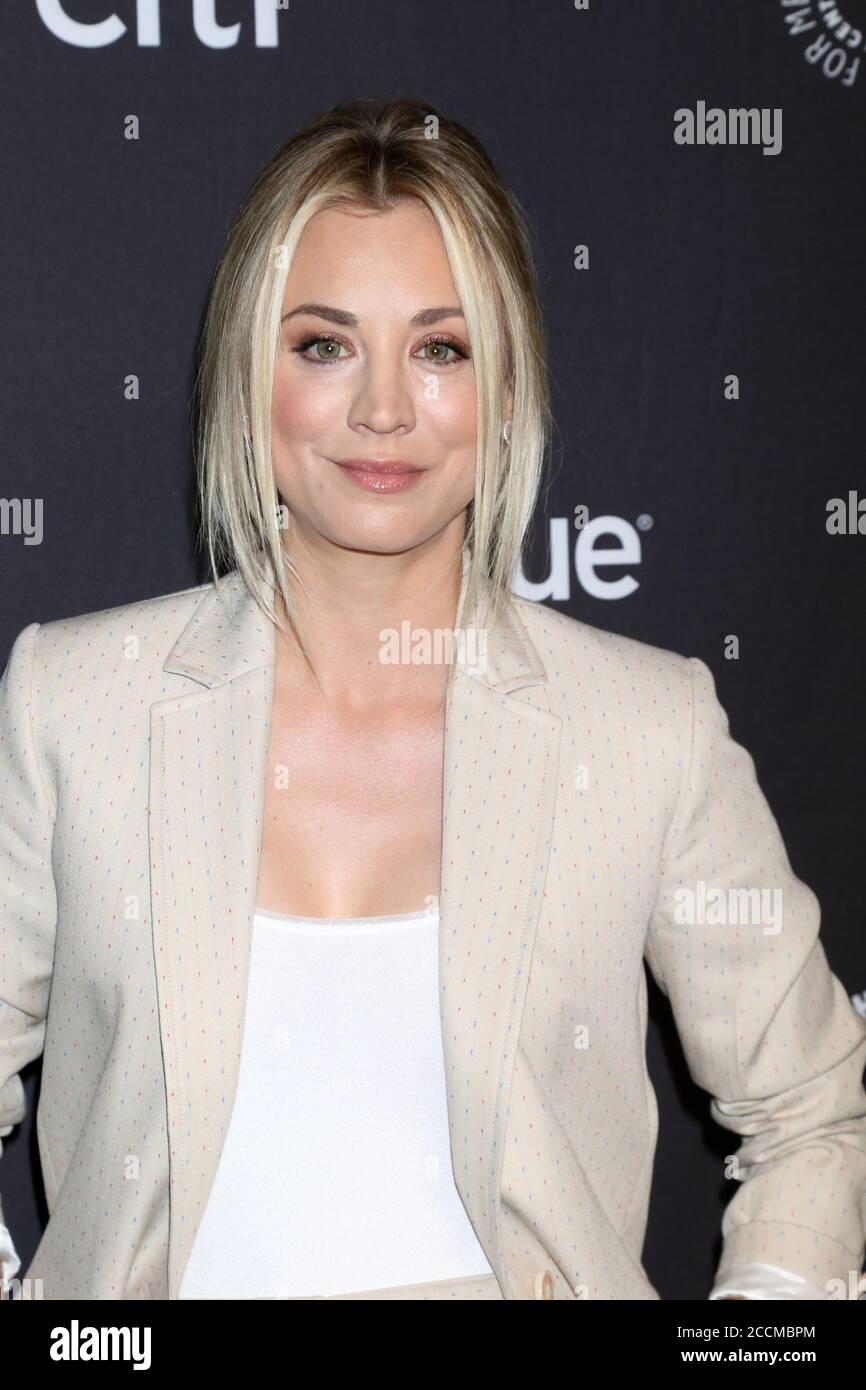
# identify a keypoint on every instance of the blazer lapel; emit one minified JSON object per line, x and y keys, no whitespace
{"x":208,"y":753}
{"x":501,"y":758}
{"x":207,"y":781}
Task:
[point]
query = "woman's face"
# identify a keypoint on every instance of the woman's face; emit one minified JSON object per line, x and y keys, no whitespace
{"x":378,"y":372}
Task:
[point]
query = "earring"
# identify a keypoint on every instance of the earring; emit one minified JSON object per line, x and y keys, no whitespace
{"x":506,"y":432}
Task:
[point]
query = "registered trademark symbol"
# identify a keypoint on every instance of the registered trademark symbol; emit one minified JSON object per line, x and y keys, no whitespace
{"x":644,"y":522}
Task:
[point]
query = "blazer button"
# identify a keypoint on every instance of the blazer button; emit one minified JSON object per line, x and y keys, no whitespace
{"x":543,"y":1286}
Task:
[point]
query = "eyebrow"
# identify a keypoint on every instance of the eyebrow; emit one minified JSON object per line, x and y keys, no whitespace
{"x":422,"y":319}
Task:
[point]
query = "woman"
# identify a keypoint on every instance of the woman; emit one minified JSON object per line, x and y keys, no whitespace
{"x":344,"y":927}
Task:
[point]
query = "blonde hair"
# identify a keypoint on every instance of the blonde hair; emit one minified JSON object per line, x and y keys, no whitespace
{"x":371,"y":154}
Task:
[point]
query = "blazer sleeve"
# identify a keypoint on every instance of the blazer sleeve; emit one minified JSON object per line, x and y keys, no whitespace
{"x":767,"y":1029}
{"x":28,"y":903}
{"x":10,"y":1260}
{"x":751,"y":1280}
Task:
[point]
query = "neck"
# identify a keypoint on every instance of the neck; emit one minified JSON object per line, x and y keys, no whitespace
{"x":345,"y":604}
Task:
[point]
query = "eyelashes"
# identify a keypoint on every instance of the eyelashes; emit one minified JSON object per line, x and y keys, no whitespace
{"x":315,"y":338}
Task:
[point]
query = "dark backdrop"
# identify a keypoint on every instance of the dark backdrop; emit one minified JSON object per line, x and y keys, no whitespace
{"x":704,"y":261}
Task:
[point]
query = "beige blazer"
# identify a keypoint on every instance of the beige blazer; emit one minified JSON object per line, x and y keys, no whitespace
{"x":597,"y":815}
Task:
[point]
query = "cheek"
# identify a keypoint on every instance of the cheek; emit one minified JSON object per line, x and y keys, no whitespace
{"x":297,"y":411}
{"x":453,"y":415}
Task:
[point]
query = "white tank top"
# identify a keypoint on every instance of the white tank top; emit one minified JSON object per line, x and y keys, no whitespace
{"x":336,"y":1174}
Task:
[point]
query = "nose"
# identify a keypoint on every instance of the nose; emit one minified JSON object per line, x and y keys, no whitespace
{"x":383,"y":401}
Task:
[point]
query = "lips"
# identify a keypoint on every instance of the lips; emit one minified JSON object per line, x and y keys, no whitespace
{"x":379,"y":465}
{"x":380,"y":475}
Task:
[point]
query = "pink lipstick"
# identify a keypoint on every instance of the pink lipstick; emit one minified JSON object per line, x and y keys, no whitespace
{"x":380,"y":475}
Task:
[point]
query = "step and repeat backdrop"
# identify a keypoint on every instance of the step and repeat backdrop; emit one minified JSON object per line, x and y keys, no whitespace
{"x":692,"y":172}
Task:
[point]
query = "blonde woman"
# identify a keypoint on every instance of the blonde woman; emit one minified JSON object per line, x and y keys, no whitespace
{"x":327,"y":886}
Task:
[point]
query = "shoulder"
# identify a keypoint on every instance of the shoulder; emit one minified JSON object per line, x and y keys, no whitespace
{"x":93,"y":644}
{"x":631,"y":694}
{"x":571,"y":648}
{"x":162,"y":609}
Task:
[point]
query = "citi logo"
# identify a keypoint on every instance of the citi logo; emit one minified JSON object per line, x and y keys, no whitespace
{"x":587,"y":558}
{"x":738,"y":126}
{"x":101,"y":32}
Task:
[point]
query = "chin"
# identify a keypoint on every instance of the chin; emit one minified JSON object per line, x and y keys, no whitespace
{"x":379,"y":540}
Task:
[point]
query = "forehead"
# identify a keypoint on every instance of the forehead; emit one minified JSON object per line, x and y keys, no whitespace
{"x":360,"y":254}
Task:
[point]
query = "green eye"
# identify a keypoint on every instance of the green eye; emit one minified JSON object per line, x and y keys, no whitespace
{"x":330,"y":342}
{"x":445,"y":343}
{"x":304,"y":347}
{"x":446,"y":346}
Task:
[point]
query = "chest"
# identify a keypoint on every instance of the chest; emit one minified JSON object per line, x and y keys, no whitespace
{"x":352,"y":811}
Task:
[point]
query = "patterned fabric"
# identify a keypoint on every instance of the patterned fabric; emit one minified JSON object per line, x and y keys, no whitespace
{"x":588,"y":778}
